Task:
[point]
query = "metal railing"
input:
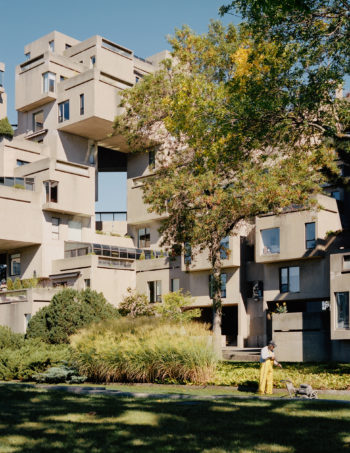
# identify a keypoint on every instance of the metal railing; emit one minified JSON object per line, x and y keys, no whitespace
{"x":110,"y":215}
{"x":18,"y":183}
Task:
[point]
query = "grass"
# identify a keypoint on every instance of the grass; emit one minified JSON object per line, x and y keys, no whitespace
{"x":35,"y":421}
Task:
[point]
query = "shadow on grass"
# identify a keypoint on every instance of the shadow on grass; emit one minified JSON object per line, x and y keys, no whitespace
{"x":36,"y":421}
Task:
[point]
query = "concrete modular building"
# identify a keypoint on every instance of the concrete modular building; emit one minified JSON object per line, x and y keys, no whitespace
{"x":67,"y":96}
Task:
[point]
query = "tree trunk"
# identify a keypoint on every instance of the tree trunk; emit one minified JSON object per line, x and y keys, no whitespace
{"x":217,"y":305}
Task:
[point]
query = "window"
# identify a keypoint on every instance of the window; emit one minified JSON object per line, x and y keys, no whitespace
{"x":187,"y":254}
{"x":75,"y":230}
{"x":62,"y":78}
{"x":1,"y":78}
{"x":38,"y":121}
{"x":223,"y":279}
{"x":21,"y":162}
{"x":63,"y":111}
{"x":342,"y":316}
{"x":270,"y":241}
{"x":155,"y":291}
{"x":289,"y":280}
{"x":346,"y":263}
{"x":175,"y":285}
{"x":92,"y":61}
{"x":27,"y":56}
{"x":82,"y":104}
{"x":27,"y":318}
{"x":15,"y":264}
{"x":92,"y":152}
{"x":137,"y":79}
{"x":55,"y":222}
{"x":144,"y":237}
{"x":152,"y":158}
{"x":52,"y":45}
{"x":225,"y":247}
{"x":67,"y":46}
{"x":49,"y":82}
{"x":87,"y":283}
{"x":310,"y":235}
{"x":51,"y":191}
{"x":336,"y":194}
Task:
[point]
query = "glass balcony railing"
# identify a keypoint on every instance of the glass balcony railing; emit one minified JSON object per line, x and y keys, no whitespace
{"x":74,"y":250}
{"x":18,"y":183}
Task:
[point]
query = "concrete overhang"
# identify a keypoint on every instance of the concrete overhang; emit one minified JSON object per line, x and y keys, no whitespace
{"x":44,"y":99}
{"x":54,"y":207}
{"x":6,"y":244}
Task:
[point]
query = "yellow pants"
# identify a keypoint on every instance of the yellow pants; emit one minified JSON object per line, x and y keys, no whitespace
{"x":266,"y":377}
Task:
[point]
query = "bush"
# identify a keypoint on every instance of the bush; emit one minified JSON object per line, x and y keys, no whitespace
{"x":144,"y":350}
{"x":33,"y":356}
{"x":135,"y":304}
{"x":9,"y":284}
{"x":173,"y":305}
{"x":17,"y":283}
{"x":69,"y":311}
{"x":9,"y":339}
{"x":63,"y":373}
{"x":5,"y":128}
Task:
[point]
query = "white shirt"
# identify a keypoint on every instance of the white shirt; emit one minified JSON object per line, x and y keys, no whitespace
{"x":267,"y":354}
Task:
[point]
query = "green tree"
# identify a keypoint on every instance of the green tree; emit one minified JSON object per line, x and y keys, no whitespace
{"x":135,"y":304}
{"x":222,"y":157}
{"x":173,"y":307}
{"x":69,"y":311}
{"x":5,"y":128}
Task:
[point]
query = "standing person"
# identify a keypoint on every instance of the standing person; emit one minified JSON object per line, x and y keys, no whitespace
{"x":267,"y":360}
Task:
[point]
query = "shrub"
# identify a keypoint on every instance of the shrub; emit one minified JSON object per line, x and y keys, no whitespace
{"x":17,"y":283}
{"x":9,"y":339}
{"x":144,"y":350}
{"x":63,"y":373}
{"x":5,"y":128}
{"x":33,"y":356}
{"x":173,"y":305}
{"x":135,"y":304}
{"x":69,"y":311}
{"x":9,"y":284}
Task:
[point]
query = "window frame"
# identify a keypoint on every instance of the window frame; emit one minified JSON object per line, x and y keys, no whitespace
{"x":35,"y":128}
{"x":15,"y":258}
{"x":63,"y":111}
{"x":82,"y":103}
{"x":144,"y":243}
{"x":282,"y":285}
{"x":47,"y":77}
{"x":268,"y":250}
{"x":50,"y":187}
{"x":154,"y":291}
{"x":223,"y":285}
{"x":313,"y":241}
{"x":347,"y":317}
{"x":172,"y":287}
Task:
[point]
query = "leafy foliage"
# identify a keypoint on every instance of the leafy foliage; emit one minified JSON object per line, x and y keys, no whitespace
{"x":23,"y":360}
{"x":9,"y":339}
{"x":144,"y":350}
{"x":69,"y":311}
{"x":173,"y":307}
{"x":5,"y":128}
{"x":135,"y":304}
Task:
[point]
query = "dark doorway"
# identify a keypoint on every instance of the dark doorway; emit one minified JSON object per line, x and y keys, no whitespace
{"x":229,"y":325}
{"x":3,"y":266}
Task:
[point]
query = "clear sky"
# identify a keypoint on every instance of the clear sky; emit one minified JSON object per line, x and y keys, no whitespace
{"x":140,"y":25}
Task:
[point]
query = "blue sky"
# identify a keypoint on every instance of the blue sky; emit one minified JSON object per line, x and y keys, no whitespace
{"x":140,"y":25}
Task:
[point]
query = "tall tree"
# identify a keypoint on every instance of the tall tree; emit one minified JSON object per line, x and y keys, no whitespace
{"x":222,"y":157}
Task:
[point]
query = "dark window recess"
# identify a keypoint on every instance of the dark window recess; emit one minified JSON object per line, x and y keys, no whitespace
{"x":38,"y":121}
{"x":223,"y":280}
{"x":21,"y":162}
{"x":82,"y":104}
{"x":310,"y":235}
{"x":290,"y":279}
{"x":152,"y":158}
{"x":144,"y":237}
{"x":255,"y":289}
{"x":63,"y":111}
{"x":155,"y":291}
{"x":187,"y":254}
{"x":51,"y":191}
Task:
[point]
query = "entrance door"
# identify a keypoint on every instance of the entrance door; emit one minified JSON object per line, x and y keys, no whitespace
{"x":3,"y":266}
{"x":229,"y":325}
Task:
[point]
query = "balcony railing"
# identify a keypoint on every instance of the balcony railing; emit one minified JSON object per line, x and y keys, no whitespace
{"x":103,"y":216}
{"x":112,"y":252}
{"x":18,"y":183}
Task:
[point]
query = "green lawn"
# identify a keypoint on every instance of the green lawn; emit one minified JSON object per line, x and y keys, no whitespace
{"x":34,"y":421}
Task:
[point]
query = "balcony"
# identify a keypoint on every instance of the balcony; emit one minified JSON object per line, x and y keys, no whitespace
{"x":297,"y":234}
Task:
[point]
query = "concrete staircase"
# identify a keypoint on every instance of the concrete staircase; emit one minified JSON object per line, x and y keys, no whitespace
{"x":235,"y":354}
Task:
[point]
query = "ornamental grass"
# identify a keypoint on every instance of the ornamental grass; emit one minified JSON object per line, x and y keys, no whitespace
{"x":145,"y":350}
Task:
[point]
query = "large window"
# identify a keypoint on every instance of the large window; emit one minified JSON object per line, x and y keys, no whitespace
{"x":225,"y":247}
{"x":310,"y":235}
{"x":223,"y":280}
{"x":144,"y":237}
{"x":155,"y":291}
{"x":342,"y":316}
{"x":290,"y":279}
{"x":63,"y":111}
{"x":49,"y":82}
{"x":51,"y":191}
{"x":270,"y":241}
{"x":15,"y":264}
{"x":38,"y":121}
